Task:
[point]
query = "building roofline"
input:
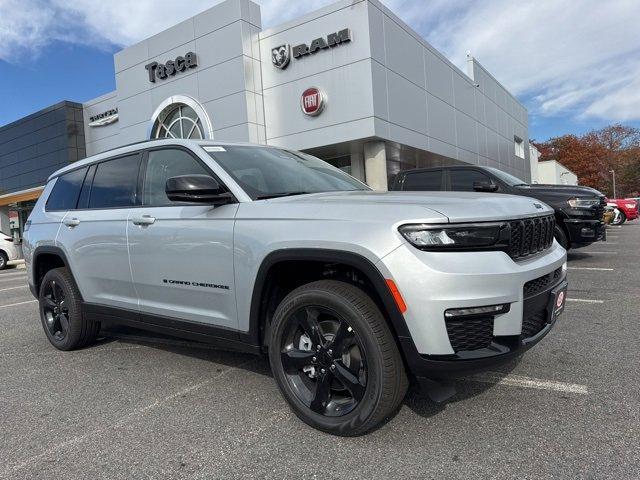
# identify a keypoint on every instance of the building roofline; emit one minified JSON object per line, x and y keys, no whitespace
{"x":50,"y":108}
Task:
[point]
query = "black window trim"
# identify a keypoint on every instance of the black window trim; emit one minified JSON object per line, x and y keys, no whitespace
{"x":143,"y":171}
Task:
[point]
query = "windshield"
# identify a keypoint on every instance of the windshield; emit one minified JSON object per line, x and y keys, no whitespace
{"x":506,"y":178}
{"x":271,"y":172}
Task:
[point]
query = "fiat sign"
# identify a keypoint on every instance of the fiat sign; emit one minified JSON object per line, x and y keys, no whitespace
{"x":312,"y":101}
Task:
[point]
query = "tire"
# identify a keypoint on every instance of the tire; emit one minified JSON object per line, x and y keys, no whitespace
{"x":363,"y":381}
{"x":3,"y":260}
{"x":561,"y":237}
{"x":621,"y":219}
{"x":61,"y":312}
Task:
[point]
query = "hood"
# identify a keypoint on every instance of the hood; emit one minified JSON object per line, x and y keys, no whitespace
{"x":565,"y":191}
{"x":455,"y":206}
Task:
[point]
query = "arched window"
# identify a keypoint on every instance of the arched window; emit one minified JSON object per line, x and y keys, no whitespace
{"x":178,"y":121}
{"x":180,"y":117}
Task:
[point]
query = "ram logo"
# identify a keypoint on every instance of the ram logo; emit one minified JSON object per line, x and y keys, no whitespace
{"x":281,"y":56}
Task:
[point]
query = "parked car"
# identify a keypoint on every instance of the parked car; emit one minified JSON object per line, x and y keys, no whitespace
{"x":578,"y":210}
{"x":260,"y":249}
{"x":627,"y":207}
{"x":8,"y":250}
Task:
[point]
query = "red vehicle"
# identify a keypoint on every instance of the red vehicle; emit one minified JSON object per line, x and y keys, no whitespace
{"x":628,"y":208}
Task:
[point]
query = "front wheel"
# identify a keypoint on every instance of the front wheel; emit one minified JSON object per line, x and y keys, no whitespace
{"x":619,"y":219}
{"x":334,"y":358}
{"x":4,"y":260}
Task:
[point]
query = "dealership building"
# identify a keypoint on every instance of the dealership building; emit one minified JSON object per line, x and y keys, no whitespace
{"x":350,"y":83}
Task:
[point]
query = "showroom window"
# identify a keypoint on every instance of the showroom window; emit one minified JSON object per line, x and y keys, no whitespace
{"x":178,"y":121}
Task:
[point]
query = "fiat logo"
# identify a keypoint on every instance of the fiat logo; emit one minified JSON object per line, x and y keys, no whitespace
{"x":560,"y":300}
{"x":312,"y":101}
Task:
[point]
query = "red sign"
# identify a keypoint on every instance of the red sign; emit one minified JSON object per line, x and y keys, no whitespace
{"x":560,"y":300}
{"x":312,"y":101}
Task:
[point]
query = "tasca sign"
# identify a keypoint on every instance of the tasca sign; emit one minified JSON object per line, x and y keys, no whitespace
{"x":171,"y":67}
{"x":282,"y":54}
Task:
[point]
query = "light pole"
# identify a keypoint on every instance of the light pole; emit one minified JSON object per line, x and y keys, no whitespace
{"x":613,"y":173}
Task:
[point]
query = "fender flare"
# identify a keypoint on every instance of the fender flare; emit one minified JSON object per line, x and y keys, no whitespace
{"x":39,"y":251}
{"x":392,"y":314}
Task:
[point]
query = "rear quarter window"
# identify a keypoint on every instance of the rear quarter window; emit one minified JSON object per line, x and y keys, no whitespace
{"x":64,"y":195}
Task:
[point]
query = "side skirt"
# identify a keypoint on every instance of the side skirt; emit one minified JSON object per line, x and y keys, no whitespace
{"x":223,"y":338}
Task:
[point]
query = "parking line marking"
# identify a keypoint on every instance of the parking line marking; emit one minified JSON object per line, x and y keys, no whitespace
{"x":599,"y":269}
{"x":13,"y":288}
{"x":514,"y":380}
{"x":584,"y":300}
{"x":12,"y":274}
{"x":600,"y":253}
{"x":19,"y":303}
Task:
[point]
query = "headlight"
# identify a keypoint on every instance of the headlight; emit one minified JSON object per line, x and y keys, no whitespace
{"x":453,"y":236}
{"x":583,"y":202}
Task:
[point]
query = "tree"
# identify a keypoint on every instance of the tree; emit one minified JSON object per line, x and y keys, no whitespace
{"x":593,"y":155}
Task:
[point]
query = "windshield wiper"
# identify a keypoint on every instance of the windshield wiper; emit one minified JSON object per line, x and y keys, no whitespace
{"x":280,"y":194}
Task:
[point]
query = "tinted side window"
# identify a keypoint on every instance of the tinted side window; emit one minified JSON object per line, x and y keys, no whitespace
{"x":462,"y":180}
{"x":164,"y":164}
{"x":64,"y":195}
{"x":425,"y":181}
{"x":115,"y":181}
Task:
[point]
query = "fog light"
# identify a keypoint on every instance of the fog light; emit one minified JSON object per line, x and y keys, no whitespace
{"x":587,"y":232}
{"x":473,"y":311}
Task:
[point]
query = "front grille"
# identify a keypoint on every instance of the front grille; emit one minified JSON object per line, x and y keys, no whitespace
{"x":532,"y":324}
{"x":470,"y":333}
{"x":537,"y":285}
{"x":530,"y":236}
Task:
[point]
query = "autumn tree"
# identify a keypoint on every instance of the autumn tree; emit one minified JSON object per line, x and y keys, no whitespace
{"x":593,"y":155}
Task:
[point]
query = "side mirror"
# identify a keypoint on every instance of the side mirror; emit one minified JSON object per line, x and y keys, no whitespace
{"x":485,"y":186}
{"x":196,"y":189}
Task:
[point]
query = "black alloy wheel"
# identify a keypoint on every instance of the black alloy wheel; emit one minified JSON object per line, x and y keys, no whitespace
{"x":55,"y":310}
{"x":4,"y":260}
{"x":335,"y":359}
{"x":61,"y":312}
{"x":323,"y":361}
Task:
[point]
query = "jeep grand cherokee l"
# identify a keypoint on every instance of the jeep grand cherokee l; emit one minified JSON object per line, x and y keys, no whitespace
{"x":578,"y":210}
{"x":350,"y":292}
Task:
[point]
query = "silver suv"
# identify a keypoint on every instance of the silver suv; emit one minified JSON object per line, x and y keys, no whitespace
{"x":259,"y":249}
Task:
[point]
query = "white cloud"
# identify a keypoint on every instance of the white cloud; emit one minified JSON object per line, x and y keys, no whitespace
{"x":579,"y":58}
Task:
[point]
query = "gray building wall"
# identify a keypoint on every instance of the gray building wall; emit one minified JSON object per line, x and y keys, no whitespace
{"x":226,"y":82}
{"x":35,"y":146}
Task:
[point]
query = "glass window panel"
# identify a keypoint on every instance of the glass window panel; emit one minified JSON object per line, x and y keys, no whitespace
{"x":114,"y":184}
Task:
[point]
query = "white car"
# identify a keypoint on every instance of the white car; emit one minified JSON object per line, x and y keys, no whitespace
{"x":8,"y":250}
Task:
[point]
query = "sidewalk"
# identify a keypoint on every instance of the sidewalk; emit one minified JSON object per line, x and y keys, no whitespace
{"x":18,"y":264}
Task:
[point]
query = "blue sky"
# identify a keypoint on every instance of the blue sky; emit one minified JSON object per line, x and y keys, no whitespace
{"x":574,"y":64}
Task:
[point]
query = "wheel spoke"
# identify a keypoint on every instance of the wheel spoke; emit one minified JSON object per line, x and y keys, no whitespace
{"x":64,"y":322}
{"x":293,"y":360}
{"x":349,"y":380}
{"x":321,"y":395}
{"x":308,"y":319}
{"x":54,"y":292}
{"x":49,"y":302}
{"x":344,"y":338}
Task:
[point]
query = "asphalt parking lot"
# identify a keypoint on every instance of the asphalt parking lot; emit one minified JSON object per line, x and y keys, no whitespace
{"x":143,"y":407}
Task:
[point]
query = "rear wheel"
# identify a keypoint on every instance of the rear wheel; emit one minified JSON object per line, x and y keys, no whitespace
{"x":335,"y":359}
{"x":3,"y":260}
{"x":61,"y":312}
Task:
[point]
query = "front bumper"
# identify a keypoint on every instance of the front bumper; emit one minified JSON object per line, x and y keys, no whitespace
{"x":433,"y":282}
{"x":585,"y":232}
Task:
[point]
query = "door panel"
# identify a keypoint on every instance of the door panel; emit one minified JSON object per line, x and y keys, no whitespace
{"x":182,"y":263}
{"x":182,"y":254}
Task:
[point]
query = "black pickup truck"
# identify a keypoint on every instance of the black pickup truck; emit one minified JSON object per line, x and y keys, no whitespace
{"x":578,"y":209}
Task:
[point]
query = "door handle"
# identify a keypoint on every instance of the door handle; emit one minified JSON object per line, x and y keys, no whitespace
{"x":143,"y":220}
{"x":71,"y":222}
